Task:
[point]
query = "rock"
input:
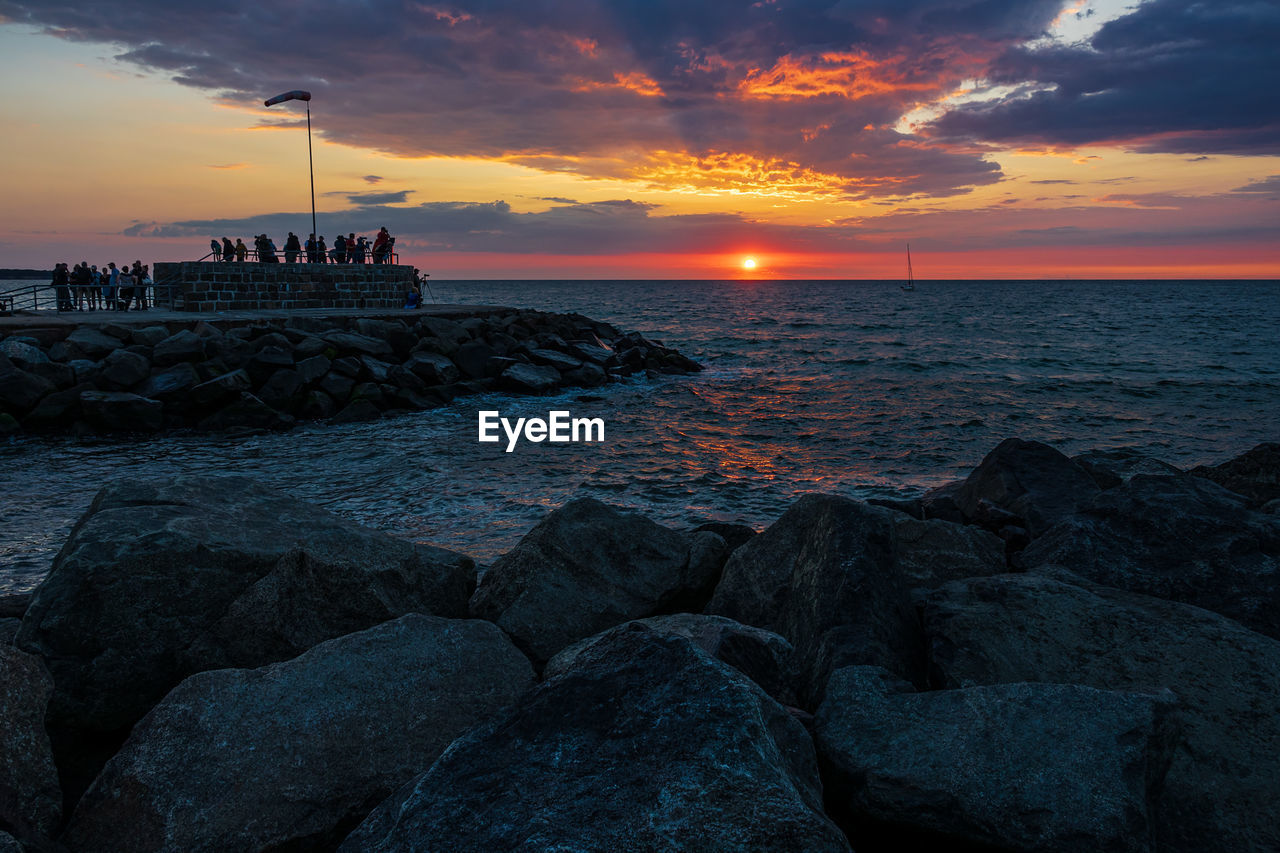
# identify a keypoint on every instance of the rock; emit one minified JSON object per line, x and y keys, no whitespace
{"x":148,"y":337}
{"x":1030,"y":480}
{"x":471,"y":356}
{"x":119,"y":411}
{"x":246,"y":411}
{"x":9,"y":424}
{"x":85,"y":370}
{"x":315,"y":741}
{"x":433,"y":368}
{"x":587,"y":376}
{"x":272,"y":339}
{"x":9,"y":626}
{"x":1255,"y":474}
{"x":394,"y":333}
{"x":733,"y":534}
{"x":349,"y":342}
{"x":940,"y":502}
{"x":309,"y":347}
{"x":14,"y":604}
{"x":266,"y":361}
{"x":57,"y":410}
{"x":530,"y":379}
{"x":931,"y":553}
{"x":63,"y":376}
{"x":1110,"y":468}
{"x":125,"y":369}
{"x":370,"y":392}
{"x":183,"y":346}
{"x":22,"y":353}
{"x":552,"y":358}
{"x":1007,"y":766}
{"x":316,"y":405}
{"x":170,"y":382}
{"x":374,"y":370}
{"x":760,"y":655}
{"x":347,"y":366}
{"x":447,"y":331}
{"x":647,"y":743}
{"x":218,"y":390}
{"x":824,"y":577}
{"x":282,"y":389}
{"x":1219,"y":793}
{"x":337,"y":386}
{"x":20,"y":391}
{"x":592,"y":352}
{"x":162,"y":579}
{"x":30,"y":800}
{"x":87,"y":342}
{"x":587,"y":567}
{"x":311,"y":369}
{"x":1177,"y":537}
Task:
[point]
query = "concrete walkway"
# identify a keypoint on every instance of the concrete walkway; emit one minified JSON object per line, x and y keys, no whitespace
{"x":154,"y":316}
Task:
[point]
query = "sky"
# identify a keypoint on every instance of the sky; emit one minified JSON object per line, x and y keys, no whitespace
{"x":655,"y":139}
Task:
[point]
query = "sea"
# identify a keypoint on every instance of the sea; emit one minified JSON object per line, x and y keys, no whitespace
{"x":855,"y":388}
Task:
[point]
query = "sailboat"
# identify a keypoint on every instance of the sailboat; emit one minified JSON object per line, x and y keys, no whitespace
{"x":911,"y":279}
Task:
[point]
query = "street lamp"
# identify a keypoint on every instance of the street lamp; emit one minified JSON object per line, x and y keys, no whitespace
{"x":299,"y":95}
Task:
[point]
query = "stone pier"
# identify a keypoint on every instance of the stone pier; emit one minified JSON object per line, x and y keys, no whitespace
{"x":204,"y":286}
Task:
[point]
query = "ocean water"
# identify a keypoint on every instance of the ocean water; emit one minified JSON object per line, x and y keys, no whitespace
{"x":853,"y":388}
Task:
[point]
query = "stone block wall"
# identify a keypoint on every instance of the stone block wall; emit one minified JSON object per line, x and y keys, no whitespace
{"x":203,"y":286}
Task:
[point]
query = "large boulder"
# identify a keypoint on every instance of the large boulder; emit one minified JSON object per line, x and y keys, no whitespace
{"x":125,"y":369}
{"x":1049,"y":767}
{"x":30,"y":800}
{"x":1030,"y":480}
{"x":933,"y":552}
{"x":1110,"y":468}
{"x":646,"y":743}
{"x":351,"y":342}
{"x":183,"y":346}
{"x":1254,"y":474}
{"x":1177,"y":537}
{"x":433,"y":368}
{"x":587,"y":567}
{"x":165,"y":578}
{"x":824,"y":576}
{"x":1220,"y":791}
{"x":170,"y":382}
{"x":530,"y":378}
{"x":220,"y":388}
{"x":760,"y":655}
{"x":88,"y":342}
{"x":120,"y":411}
{"x":295,"y":754}
{"x":247,"y":411}
{"x":20,"y":390}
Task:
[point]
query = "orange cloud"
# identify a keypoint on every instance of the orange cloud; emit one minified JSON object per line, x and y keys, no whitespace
{"x":634,"y":81}
{"x":846,"y":75}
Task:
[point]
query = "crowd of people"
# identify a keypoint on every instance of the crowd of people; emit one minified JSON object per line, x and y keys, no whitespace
{"x":348,"y":249}
{"x":111,"y":288}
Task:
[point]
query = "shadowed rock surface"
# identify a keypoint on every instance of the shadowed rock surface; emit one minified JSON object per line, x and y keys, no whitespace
{"x":161,"y":579}
{"x":1254,"y":474}
{"x":824,"y":577}
{"x":1176,"y":537}
{"x":1035,"y":767}
{"x":760,"y":655}
{"x":30,"y":800}
{"x":645,"y":744}
{"x":294,"y":755}
{"x":1220,"y":791}
{"x":587,"y":567}
{"x":1110,"y":468}
{"x":931,"y":553}
{"x":1030,"y":480}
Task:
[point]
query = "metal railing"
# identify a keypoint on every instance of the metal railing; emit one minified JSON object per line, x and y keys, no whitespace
{"x":44,"y":296}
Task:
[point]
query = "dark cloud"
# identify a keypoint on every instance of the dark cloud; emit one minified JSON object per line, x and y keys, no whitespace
{"x":1269,"y":185}
{"x":373,"y":179}
{"x":601,"y":87}
{"x":1179,"y":76}
{"x":397,"y":197}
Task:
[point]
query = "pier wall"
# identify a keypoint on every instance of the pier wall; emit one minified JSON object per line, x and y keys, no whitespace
{"x":204,"y":286}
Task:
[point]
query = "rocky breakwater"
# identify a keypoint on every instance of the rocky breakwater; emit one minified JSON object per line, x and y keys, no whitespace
{"x":234,"y":670}
{"x":270,"y":374}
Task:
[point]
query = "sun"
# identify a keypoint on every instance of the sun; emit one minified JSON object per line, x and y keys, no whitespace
{"x":748,"y":263}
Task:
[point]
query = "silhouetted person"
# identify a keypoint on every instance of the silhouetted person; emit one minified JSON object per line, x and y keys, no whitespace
{"x":322,"y":251}
{"x":340,"y":249}
{"x":311,"y":248}
{"x":228,"y":250}
{"x":242,"y":251}
{"x":381,"y":246}
{"x":216,"y":249}
{"x":291,"y":248}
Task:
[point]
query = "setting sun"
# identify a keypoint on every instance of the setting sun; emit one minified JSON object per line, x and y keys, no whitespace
{"x":749,"y":263}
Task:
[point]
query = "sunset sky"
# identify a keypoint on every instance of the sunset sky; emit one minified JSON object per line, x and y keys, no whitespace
{"x":655,"y":139}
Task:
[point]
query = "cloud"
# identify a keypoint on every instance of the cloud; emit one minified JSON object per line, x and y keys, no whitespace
{"x":1178,"y":76}
{"x":653,"y":89}
{"x":372,"y":179}
{"x":397,"y":197}
{"x":228,"y":166}
{"x":1269,"y":185}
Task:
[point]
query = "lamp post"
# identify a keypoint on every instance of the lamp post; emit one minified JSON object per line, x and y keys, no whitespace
{"x":300,"y":95}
